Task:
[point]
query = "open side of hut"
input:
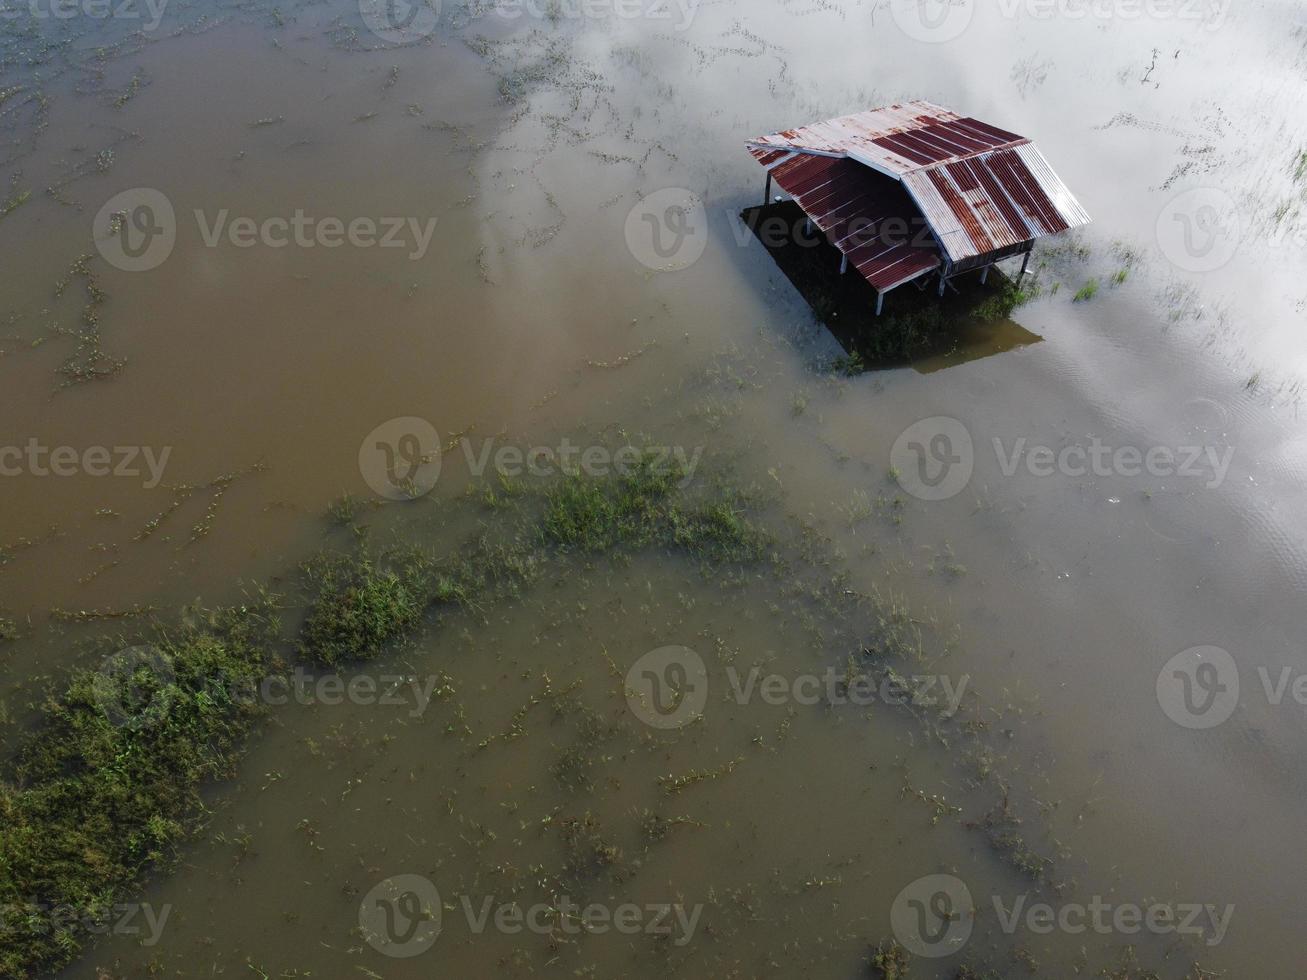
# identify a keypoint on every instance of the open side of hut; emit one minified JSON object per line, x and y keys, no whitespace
{"x":914,"y":189}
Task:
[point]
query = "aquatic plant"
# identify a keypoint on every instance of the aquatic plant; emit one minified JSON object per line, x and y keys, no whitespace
{"x":358,"y":609}
{"x":889,"y":961}
{"x":110,"y":784}
{"x":1086,"y":292}
{"x":643,"y":508}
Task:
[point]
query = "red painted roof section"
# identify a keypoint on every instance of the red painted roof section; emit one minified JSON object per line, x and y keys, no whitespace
{"x":868,"y":218}
{"x":980,"y":188}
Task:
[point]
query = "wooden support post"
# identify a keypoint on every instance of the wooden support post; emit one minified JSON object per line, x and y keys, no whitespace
{"x":880,"y":302}
{"x":942,"y":281}
{"x":1024,"y":262}
{"x":766,"y":195}
{"x":807,"y":225}
{"x":844,"y":265}
{"x":984,"y":275}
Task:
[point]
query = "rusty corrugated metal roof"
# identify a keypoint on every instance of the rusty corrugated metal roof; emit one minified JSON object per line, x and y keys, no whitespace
{"x":993,"y":200}
{"x":852,"y":205}
{"x":981,"y":188}
{"x":835,"y":136}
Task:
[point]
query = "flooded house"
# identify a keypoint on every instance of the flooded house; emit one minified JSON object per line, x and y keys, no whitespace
{"x":914,"y":190}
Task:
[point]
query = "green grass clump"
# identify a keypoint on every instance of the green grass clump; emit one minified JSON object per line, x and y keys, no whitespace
{"x":345,"y":510}
{"x":1009,"y":298}
{"x":717,"y":532}
{"x":109,"y":786}
{"x":359,"y":608}
{"x":889,"y":961}
{"x":583,"y":514}
{"x":1086,"y":292}
{"x":8,"y":629}
{"x":645,"y":508}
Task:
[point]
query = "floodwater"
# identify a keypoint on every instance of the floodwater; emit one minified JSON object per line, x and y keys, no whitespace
{"x":1054,"y":597}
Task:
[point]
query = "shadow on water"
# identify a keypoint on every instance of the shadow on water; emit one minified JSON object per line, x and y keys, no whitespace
{"x":916,"y":329}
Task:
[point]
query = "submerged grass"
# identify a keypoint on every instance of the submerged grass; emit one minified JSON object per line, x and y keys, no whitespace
{"x":109,"y":786}
{"x":644,"y":508}
{"x":358,"y":610}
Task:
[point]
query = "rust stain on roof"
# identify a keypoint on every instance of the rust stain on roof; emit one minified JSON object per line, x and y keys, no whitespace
{"x":978,"y":187}
{"x":868,"y":218}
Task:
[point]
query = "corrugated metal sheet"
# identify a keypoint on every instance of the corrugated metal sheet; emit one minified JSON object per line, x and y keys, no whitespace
{"x":868,"y":218}
{"x":982,"y":189}
{"x":993,"y":200}
{"x":834,"y":136}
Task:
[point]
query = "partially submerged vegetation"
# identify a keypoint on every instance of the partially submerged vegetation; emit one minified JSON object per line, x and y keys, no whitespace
{"x":645,"y":508}
{"x":109,"y":787}
{"x":358,"y":610}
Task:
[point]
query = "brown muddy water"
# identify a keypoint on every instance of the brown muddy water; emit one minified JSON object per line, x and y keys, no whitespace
{"x":531,"y":803}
